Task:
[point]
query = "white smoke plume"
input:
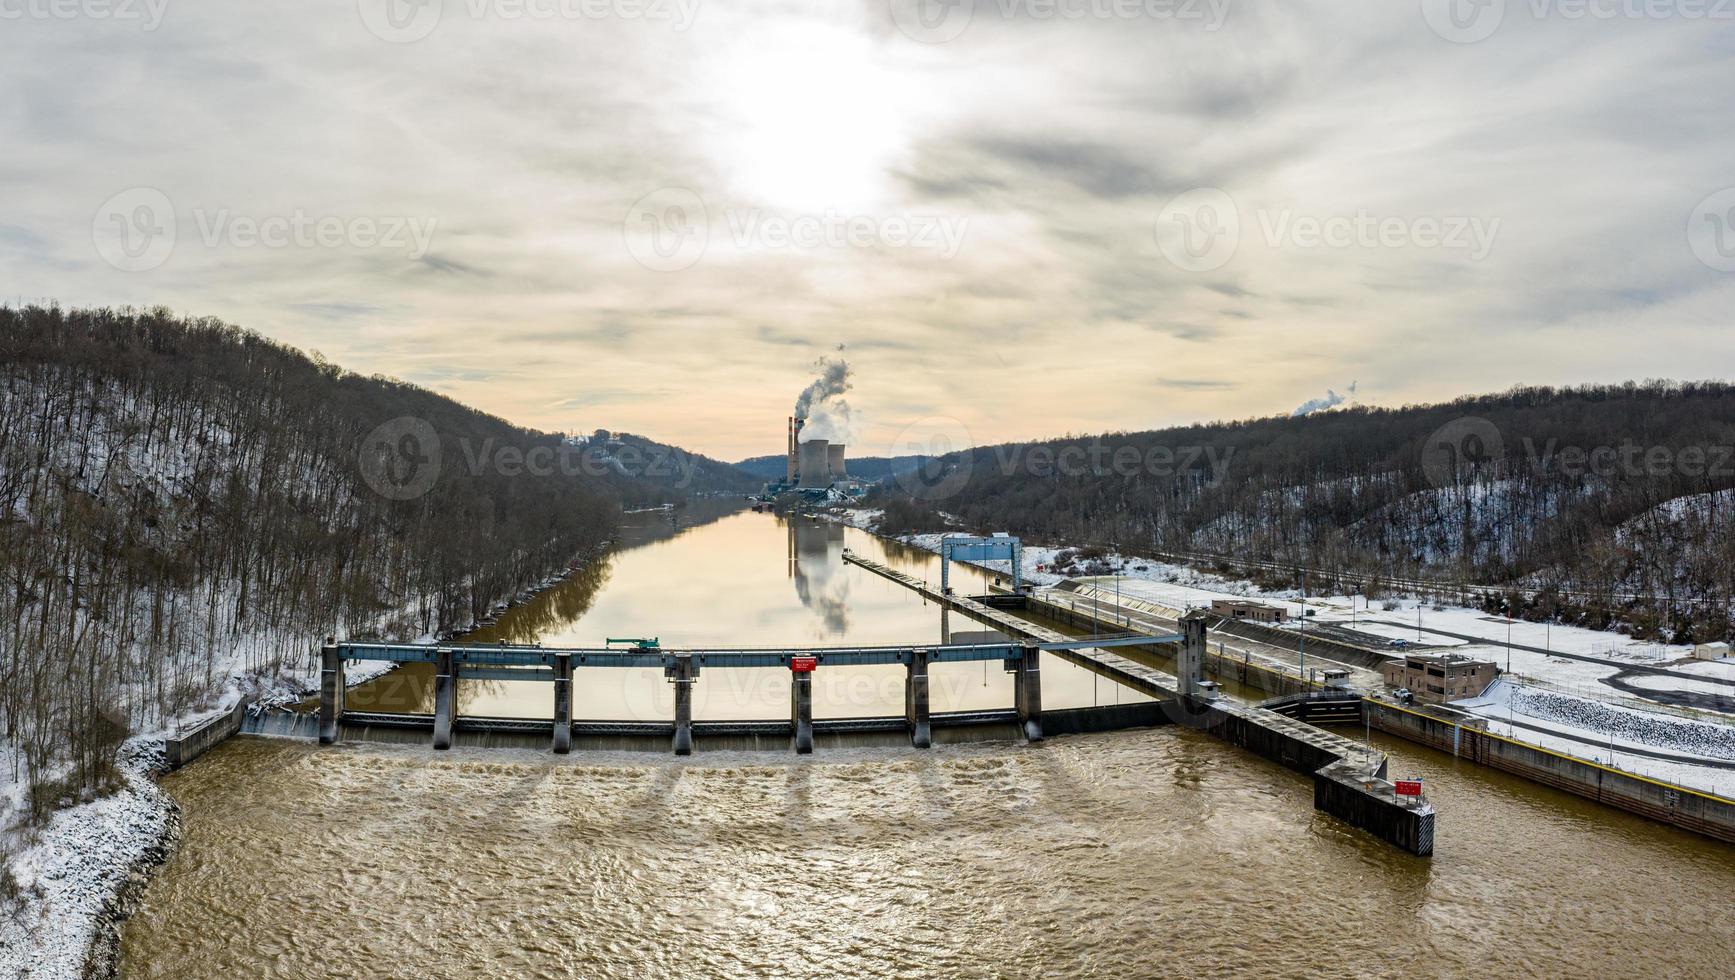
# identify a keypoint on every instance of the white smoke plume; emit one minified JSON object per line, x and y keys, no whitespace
{"x":1331,"y":400}
{"x":828,"y":415}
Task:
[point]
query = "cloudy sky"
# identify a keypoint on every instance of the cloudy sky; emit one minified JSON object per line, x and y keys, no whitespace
{"x":1016,"y":218}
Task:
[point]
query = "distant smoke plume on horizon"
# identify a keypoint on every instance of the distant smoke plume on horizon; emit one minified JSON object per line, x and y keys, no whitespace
{"x":827,"y":414}
{"x":1331,"y":400}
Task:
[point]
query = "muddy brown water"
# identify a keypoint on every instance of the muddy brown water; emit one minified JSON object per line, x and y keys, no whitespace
{"x":1137,"y":853}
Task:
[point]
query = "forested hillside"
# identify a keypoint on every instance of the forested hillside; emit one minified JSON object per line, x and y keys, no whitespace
{"x":868,"y":469}
{"x":185,"y":506}
{"x":1610,"y":491}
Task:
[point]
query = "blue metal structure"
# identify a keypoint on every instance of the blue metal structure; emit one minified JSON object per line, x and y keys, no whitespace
{"x":522,"y":660}
{"x":454,"y":662}
{"x":1000,"y":547}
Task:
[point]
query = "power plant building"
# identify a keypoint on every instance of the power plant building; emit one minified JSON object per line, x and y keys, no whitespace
{"x":814,"y":464}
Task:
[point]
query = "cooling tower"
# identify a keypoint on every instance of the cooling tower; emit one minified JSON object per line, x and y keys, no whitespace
{"x":813,"y":462}
{"x":834,"y":461}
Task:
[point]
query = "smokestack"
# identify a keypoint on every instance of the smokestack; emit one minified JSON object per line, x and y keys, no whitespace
{"x":813,"y":459}
{"x":794,"y":430}
{"x":834,"y":461}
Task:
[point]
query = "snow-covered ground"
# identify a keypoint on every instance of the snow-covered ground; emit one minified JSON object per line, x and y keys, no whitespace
{"x":1606,"y":734}
{"x":73,"y":874}
{"x":1566,"y":695}
{"x":81,"y":871}
{"x":76,"y":875}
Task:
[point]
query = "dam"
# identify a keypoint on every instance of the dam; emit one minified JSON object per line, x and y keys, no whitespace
{"x":971,"y":858}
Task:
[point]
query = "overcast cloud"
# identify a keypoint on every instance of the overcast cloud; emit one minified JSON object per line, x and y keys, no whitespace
{"x":656,"y":215}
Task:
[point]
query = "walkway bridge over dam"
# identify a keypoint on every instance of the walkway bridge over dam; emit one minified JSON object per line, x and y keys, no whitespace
{"x":682,"y":668}
{"x":1349,"y":780}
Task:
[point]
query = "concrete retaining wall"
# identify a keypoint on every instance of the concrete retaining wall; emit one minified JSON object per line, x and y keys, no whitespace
{"x":1345,"y":784}
{"x":1253,"y":676}
{"x":1374,"y":806}
{"x":1701,"y":813}
{"x":1335,"y":649}
{"x":195,"y":742}
{"x":1295,"y":745}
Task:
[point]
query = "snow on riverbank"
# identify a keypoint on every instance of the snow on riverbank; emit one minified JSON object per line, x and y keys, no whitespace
{"x":79,"y":877}
{"x":1565,"y":697}
{"x":1611,"y":736}
{"x":1396,"y":622}
{"x":83,"y":873}
{"x":1597,"y":721}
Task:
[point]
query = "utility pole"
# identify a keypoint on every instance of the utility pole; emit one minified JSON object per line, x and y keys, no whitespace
{"x":1304,"y":683}
{"x":1509,"y":639}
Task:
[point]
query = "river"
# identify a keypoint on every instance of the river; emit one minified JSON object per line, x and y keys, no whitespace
{"x":1134,"y":853}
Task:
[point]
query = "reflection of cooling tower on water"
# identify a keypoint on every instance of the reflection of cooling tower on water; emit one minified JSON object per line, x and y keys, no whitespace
{"x":819,"y":584}
{"x":814,"y":453}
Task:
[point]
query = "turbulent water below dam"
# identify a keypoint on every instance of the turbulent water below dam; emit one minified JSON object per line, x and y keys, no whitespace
{"x":1136,"y":853}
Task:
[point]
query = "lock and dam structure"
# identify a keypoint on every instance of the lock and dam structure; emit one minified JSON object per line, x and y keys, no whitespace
{"x":1349,"y":780}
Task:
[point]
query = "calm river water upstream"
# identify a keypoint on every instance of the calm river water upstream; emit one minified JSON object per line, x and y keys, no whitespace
{"x":1129,"y":854}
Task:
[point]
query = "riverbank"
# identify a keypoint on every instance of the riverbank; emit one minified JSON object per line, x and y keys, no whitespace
{"x":86,"y":872}
{"x":1562,"y":694}
{"x":75,"y":881}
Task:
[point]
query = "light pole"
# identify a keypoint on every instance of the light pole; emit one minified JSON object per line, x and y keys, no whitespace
{"x":1117,"y":587}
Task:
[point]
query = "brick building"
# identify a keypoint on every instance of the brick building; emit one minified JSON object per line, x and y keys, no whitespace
{"x":1437,"y":677}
